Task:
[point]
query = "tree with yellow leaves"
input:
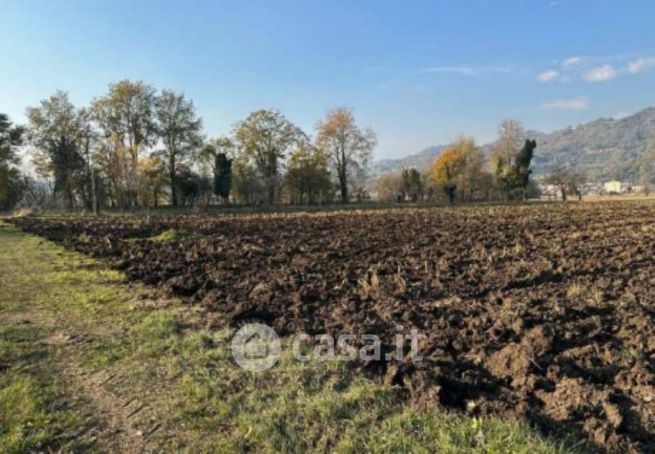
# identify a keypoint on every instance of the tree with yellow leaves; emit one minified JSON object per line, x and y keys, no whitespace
{"x":472,"y":175}
{"x":308,"y":178}
{"x":126,"y":121}
{"x":447,"y":170}
{"x":152,"y":178}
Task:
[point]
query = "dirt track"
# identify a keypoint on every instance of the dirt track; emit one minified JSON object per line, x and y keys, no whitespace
{"x":545,"y":313}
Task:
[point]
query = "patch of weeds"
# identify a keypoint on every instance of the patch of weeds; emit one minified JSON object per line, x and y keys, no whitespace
{"x":417,"y":431}
{"x":157,"y":332}
{"x":23,"y":418}
{"x":84,"y":239}
{"x":30,"y":418}
{"x":19,"y":346}
{"x":172,"y":234}
{"x":106,"y":353}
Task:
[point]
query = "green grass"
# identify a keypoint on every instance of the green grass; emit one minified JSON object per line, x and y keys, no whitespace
{"x":161,"y":354}
{"x":25,"y":420}
{"x":31,"y":417}
{"x":172,"y":234}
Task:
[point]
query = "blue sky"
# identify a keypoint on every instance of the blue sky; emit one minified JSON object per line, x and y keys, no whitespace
{"x":418,"y":72}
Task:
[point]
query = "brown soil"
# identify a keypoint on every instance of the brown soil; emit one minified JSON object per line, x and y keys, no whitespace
{"x":543,"y":313}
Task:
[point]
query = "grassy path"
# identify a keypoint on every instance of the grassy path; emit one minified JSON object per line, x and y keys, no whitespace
{"x":88,"y":363}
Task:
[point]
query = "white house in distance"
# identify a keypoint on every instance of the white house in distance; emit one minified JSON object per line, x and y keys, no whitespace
{"x":621,"y":187}
{"x":613,"y":187}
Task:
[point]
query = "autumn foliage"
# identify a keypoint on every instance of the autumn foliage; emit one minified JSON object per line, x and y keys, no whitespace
{"x":448,"y":166}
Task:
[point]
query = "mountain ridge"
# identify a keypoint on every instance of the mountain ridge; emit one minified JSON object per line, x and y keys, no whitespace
{"x":604,"y":148}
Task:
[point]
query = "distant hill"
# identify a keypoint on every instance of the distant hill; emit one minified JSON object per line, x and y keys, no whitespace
{"x":421,"y":160}
{"x":605,"y":148}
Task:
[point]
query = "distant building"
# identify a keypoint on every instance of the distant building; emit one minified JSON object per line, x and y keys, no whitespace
{"x":549,"y":190}
{"x":622,"y":187}
{"x":592,"y":189}
{"x":614,"y":187}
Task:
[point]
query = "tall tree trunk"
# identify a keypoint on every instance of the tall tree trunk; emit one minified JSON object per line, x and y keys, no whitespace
{"x":94,"y":194}
{"x":343,"y":173}
{"x":343,"y":185}
{"x":271,"y":192}
{"x":173,"y":189}
{"x":70,"y":197}
{"x":271,"y":170}
{"x":90,"y":190}
{"x":450,"y":193}
{"x":133,"y":194}
{"x":173,"y":176}
{"x":155,"y":196}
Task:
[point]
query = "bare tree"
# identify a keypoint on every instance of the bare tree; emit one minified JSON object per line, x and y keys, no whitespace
{"x":567,"y":180}
{"x":348,"y":147}
{"x":388,"y":187}
{"x":559,"y":177}
{"x":178,"y":126}
{"x":12,"y":184}
{"x":511,"y":139}
{"x":89,"y":140}
{"x":577,"y":179}
{"x":56,"y":130}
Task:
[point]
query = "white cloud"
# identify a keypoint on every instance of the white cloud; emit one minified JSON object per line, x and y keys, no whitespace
{"x":547,"y":76}
{"x":465,"y":70}
{"x":579,"y":103}
{"x":600,"y":73}
{"x":620,"y":115}
{"x":572,"y":61}
{"x":449,"y":69}
{"x":640,"y":64}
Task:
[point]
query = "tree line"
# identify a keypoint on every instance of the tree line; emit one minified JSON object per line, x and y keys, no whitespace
{"x":136,"y":147}
{"x":462,"y":172}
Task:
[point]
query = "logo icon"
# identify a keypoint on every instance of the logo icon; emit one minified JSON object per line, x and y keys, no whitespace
{"x":256,"y":347}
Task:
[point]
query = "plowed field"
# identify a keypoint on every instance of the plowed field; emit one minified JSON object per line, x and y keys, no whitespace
{"x":538,"y":312}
